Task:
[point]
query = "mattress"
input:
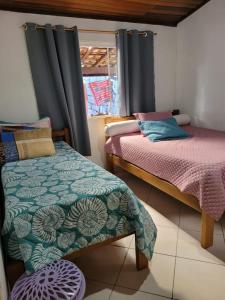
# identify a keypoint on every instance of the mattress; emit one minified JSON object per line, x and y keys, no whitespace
{"x":195,"y":165}
{"x":59,"y":204}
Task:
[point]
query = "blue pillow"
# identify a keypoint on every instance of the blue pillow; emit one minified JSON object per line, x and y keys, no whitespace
{"x":9,"y":146}
{"x":162,"y":130}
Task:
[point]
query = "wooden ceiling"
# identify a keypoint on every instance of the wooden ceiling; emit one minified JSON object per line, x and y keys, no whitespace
{"x":163,"y":12}
{"x":96,"y":61}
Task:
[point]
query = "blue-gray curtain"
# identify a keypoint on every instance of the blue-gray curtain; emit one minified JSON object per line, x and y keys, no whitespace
{"x":135,"y":52}
{"x":54,"y":55}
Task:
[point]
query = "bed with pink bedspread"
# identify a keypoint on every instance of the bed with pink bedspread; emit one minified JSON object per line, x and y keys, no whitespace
{"x":195,"y":165}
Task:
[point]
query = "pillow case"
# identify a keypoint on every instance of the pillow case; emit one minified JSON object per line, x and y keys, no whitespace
{"x":116,"y":128}
{"x":25,"y":144}
{"x":183,"y":119}
{"x":162,"y":130}
{"x":8,"y":149}
{"x":34,"y":143}
{"x":153,"y":116}
{"x":42,"y":123}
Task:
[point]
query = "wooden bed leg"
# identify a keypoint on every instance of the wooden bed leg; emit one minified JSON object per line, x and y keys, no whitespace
{"x":141,"y":259}
{"x":67,"y":136}
{"x":109,"y":163}
{"x":13,"y":271}
{"x":207,"y":230}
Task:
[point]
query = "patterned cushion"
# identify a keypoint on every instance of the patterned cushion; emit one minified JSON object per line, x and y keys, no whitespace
{"x":8,"y":149}
{"x":24,"y":143}
{"x":34,"y":143}
{"x":9,"y":146}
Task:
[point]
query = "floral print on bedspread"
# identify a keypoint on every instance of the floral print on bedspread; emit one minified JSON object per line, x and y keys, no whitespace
{"x":59,"y":204}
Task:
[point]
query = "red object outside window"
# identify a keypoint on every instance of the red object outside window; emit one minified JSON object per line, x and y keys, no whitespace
{"x":102,"y":91}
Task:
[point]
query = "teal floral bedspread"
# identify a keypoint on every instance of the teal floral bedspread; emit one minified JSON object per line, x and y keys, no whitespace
{"x":56,"y":205}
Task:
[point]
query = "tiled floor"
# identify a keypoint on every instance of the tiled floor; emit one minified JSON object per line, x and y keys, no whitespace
{"x":180,"y":268}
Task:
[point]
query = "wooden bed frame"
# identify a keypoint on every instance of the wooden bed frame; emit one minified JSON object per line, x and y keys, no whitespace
{"x":207,"y":223}
{"x":15,"y":268}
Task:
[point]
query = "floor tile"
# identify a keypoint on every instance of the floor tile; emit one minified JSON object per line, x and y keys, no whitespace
{"x":222,"y":221}
{"x":125,"y":242}
{"x":161,"y":219}
{"x":97,"y":291}
{"x":166,"y":241}
{"x":164,"y":209}
{"x":158,"y":279}
{"x":159,"y":199}
{"x":196,"y":280}
{"x":120,"y":293}
{"x":102,"y":264}
{"x":189,"y":246}
{"x":191,"y":220}
{"x":138,"y":186}
{"x":223,"y":228}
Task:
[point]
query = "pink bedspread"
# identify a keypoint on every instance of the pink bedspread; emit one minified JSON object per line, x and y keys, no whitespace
{"x":195,"y":165}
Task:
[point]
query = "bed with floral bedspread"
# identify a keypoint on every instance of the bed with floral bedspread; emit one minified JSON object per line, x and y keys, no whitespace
{"x":59,"y":204}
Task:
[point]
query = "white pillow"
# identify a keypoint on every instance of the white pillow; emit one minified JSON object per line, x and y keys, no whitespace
{"x":122,"y":127}
{"x":182,"y":119}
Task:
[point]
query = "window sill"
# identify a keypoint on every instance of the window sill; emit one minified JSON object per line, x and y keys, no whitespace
{"x":98,"y":117}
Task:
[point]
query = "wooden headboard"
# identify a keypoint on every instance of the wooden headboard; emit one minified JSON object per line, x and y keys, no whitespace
{"x":64,"y":134}
{"x":117,"y":119}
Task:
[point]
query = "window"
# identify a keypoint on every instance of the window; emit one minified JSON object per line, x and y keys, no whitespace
{"x":99,"y":68}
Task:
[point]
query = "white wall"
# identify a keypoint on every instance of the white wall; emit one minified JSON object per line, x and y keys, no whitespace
{"x":3,"y":286}
{"x":17,"y":99}
{"x":201,"y":65}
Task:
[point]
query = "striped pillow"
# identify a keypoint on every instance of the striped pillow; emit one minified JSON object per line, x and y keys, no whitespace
{"x":34,"y":143}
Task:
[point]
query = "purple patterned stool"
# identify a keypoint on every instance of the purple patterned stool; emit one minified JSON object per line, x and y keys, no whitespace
{"x":61,"y":280}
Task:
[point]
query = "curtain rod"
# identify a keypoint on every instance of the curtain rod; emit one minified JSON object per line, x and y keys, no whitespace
{"x":83,"y":30}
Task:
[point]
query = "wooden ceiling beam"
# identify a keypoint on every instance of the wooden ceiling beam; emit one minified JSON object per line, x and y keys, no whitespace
{"x":108,"y":12}
{"x":133,"y":19}
{"x":88,"y":52}
{"x":98,"y":71}
{"x":176,"y":3}
{"x":203,"y":2}
{"x":185,"y":4}
{"x":100,"y":60}
{"x":162,"y":12}
{"x":109,"y":5}
{"x":82,"y":9}
{"x":93,"y":7}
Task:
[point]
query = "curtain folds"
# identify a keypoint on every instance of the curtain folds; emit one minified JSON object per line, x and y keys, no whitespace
{"x":135,"y":54}
{"x":56,"y":70}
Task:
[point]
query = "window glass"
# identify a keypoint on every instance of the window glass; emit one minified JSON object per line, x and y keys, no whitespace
{"x":99,"y":68}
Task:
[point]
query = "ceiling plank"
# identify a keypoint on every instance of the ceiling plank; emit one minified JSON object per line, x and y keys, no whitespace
{"x":87,"y":53}
{"x":194,"y":10}
{"x":162,"y":12}
{"x":100,"y":60}
{"x":188,"y":4}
